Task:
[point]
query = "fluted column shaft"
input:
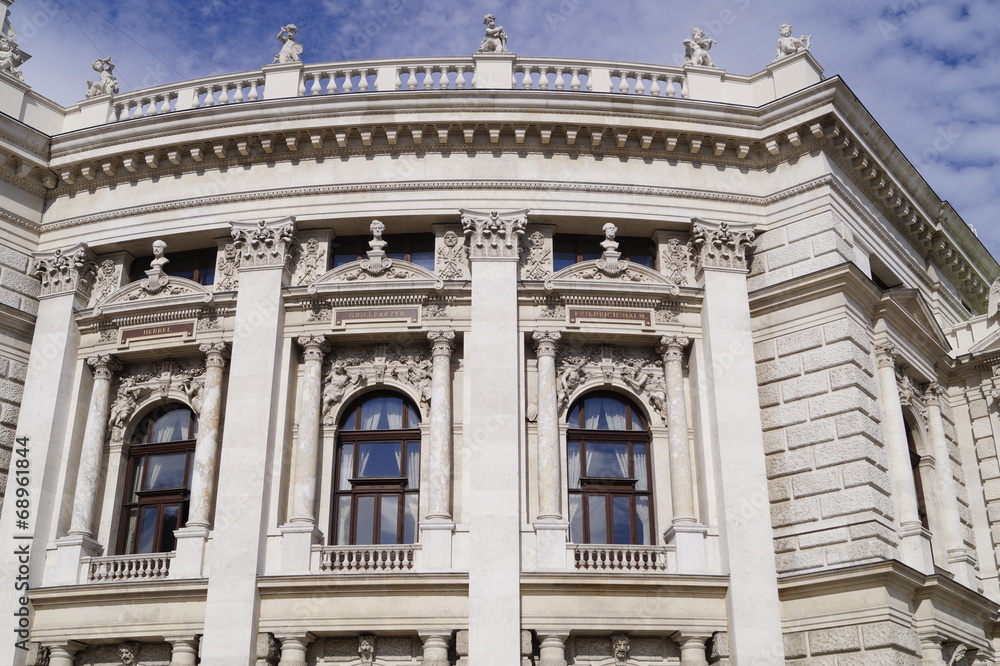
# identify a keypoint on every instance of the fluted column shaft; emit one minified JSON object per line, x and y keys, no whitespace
{"x":206,"y":452}
{"x":681,"y":469}
{"x":549,"y":468}
{"x":439,"y":450}
{"x":89,"y":472}
{"x":307,"y":445}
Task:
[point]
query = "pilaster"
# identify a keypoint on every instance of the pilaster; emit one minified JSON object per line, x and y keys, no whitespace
{"x":232,"y":606}
{"x":753,"y":609}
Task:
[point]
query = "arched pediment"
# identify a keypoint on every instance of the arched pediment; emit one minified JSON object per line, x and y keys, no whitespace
{"x":598,"y":273}
{"x":370,"y":275}
{"x":173,"y":291}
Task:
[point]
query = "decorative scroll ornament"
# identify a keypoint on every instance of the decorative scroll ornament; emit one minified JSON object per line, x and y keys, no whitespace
{"x":620,"y":648}
{"x":788,"y":45}
{"x":675,"y":264}
{"x":493,"y":235}
{"x":265,"y":244}
{"x":229,"y":266}
{"x":366,"y":648}
{"x":312,"y":262}
{"x":65,"y":272}
{"x":719,"y":247}
{"x":537,"y":258}
{"x":453,"y":258}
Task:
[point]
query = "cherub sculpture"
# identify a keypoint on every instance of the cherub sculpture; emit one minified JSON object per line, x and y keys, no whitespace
{"x":495,"y":40}
{"x":290,"y":49}
{"x":788,"y":45}
{"x":106,"y":84}
{"x":696,"y":48}
{"x":11,"y":58}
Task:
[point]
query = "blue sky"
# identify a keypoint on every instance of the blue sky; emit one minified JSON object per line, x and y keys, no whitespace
{"x":929,"y":71}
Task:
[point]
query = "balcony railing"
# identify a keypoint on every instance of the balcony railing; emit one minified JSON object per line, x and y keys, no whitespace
{"x":607,"y":558}
{"x":365,"y":559}
{"x":152,"y":566}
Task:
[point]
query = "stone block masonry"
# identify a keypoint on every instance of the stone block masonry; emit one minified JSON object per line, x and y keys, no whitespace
{"x":804,"y":247}
{"x":12,"y":374}
{"x":830,"y":492}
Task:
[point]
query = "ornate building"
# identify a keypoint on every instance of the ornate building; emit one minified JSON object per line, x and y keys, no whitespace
{"x":490,"y":361}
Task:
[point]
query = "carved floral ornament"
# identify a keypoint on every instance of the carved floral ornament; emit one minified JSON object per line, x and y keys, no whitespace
{"x":61,"y":272}
{"x":494,"y":235}
{"x":719,"y":246}
{"x":264,"y":243}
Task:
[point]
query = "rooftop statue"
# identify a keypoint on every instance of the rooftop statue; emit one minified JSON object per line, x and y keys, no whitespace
{"x":788,"y":45}
{"x":290,"y":49}
{"x":106,"y":84}
{"x":11,"y":57}
{"x":696,"y":48}
{"x":495,"y":40}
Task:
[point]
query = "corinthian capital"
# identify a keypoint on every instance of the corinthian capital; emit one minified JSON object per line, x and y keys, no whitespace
{"x":715,"y":245}
{"x":493,"y":234}
{"x":104,"y":366}
{"x":313,"y":346}
{"x":65,"y":271}
{"x":545,"y":342}
{"x":215,"y":354}
{"x":672,"y":349}
{"x":885,"y":355}
{"x":442,"y":342}
{"x":265,"y":244}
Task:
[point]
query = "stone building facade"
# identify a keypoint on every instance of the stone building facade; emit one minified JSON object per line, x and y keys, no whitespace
{"x":490,"y":361}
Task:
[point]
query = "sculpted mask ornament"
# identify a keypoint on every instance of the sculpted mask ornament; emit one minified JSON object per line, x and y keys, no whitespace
{"x":788,"y":45}
{"x":106,"y":84}
{"x":495,"y":40}
{"x":696,"y":49}
{"x":366,"y":648}
{"x":129,"y":653}
{"x":290,"y":49}
{"x":620,"y":647}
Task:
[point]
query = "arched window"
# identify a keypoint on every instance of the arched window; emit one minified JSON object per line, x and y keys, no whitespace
{"x":376,"y":496}
{"x":158,"y":481}
{"x":610,"y":488}
{"x":918,"y":482}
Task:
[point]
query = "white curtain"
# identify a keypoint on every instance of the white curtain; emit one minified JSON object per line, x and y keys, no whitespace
{"x":590,"y":462}
{"x":621,"y":457}
{"x":639,"y":459}
{"x":371,"y":419}
{"x":395,"y":417}
{"x":399,"y":457}
{"x":576,"y":518}
{"x":642,"y":513}
{"x":573,"y":465}
{"x":363,"y":457}
{"x":413,"y":465}
{"x":343,"y":520}
{"x":616,"y":419}
{"x":346,"y":466}
{"x":155,"y":468}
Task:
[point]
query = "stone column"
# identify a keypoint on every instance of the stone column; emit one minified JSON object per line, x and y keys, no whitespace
{"x":232,"y":605}
{"x":493,"y":437}
{"x":692,"y":649}
{"x":52,"y":382}
{"x":435,"y":648}
{"x":299,"y":534}
{"x":293,"y":648}
{"x":684,"y":532}
{"x":959,"y":559}
{"x":552,"y":648}
{"x":61,"y":654}
{"x":188,"y":562}
{"x":550,"y":529}
{"x":746,"y":544}
{"x":914,"y":548}
{"x":183,"y":649}
{"x":437,"y":528}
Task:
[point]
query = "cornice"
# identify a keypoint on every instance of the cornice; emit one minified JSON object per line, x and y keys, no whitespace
{"x":19,"y":221}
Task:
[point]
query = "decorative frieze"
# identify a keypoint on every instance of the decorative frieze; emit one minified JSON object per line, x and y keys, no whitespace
{"x":494,"y":235}
{"x":62,"y":272}
{"x":265,"y":244}
{"x":719,"y":246}
{"x":453,"y":258}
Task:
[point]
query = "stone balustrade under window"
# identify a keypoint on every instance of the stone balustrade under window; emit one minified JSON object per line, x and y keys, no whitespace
{"x":122,"y":568}
{"x":604,"y":558}
{"x":364,"y":559}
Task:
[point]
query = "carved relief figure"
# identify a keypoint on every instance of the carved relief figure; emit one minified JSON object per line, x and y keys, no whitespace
{"x":123,"y":407}
{"x":107,"y":84}
{"x":572,"y":376}
{"x":290,"y":49}
{"x":788,"y":45}
{"x":192,"y":390}
{"x":107,"y":279}
{"x":338,"y":381}
{"x":958,"y":656}
{"x":675,"y":264}
{"x":696,"y":49}
{"x":366,"y":649}
{"x":495,"y":40}
{"x":453,"y":258}
{"x":537,"y":259}
{"x":228,"y":266}
{"x":11,"y":57}
{"x":418,"y":375}
{"x":311,"y":262}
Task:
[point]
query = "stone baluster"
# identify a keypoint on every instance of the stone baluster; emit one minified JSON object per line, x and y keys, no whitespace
{"x":206,"y":454}
{"x":89,"y":469}
{"x":307,"y":446}
{"x":435,"y":651}
{"x":958,"y":556}
{"x":183,"y":650}
{"x":552,"y":648}
{"x":439,"y":448}
{"x":549,"y":472}
{"x":293,"y":648}
{"x":914,"y":548}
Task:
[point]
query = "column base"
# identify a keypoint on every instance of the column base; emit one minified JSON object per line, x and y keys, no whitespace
{"x":435,"y":544}
{"x":189,"y":557}
{"x":551,"y":537}
{"x":70,"y":551}
{"x":689,"y":539}
{"x":915,"y":548}
{"x":297,"y":540}
{"x":963,"y":565}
